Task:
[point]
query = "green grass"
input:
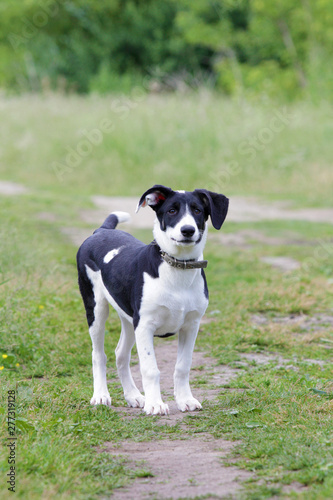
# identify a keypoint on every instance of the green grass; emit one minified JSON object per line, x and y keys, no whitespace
{"x":281,"y":417}
{"x":179,"y":140}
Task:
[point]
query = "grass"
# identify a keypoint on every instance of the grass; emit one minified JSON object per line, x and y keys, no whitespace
{"x":281,"y":152}
{"x":281,"y":416}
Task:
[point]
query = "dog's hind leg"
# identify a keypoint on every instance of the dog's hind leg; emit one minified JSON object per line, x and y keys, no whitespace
{"x":132,"y":394}
{"x":97,"y":309}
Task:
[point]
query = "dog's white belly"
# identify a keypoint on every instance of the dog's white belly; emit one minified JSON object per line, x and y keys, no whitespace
{"x":170,"y":307}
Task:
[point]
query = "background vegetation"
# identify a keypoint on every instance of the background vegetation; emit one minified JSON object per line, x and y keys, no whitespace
{"x":277,"y":48}
{"x":250,"y":115}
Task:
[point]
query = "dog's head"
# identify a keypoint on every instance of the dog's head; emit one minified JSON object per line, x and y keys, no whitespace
{"x":180,"y":226}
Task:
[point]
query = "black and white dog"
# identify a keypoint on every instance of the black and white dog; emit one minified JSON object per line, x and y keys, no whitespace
{"x":158,"y":289}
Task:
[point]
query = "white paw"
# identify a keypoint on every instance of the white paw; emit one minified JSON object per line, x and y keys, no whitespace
{"x":135,"y":400}
{"x":156,"y":408}
{"x":101,"y":399}
{"x":189,"y":404}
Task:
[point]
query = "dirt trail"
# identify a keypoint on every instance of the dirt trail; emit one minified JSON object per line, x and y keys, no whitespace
{"x":182,"y":468}
{"x":202,"y":366}
{"x":240,"y":210}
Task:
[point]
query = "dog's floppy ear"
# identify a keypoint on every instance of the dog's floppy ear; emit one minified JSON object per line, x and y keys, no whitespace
{"x":154,"y":197}
{"x":216,"y":206}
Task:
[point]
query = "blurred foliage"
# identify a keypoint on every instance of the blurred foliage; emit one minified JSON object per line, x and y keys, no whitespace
{"x":275,"y":48}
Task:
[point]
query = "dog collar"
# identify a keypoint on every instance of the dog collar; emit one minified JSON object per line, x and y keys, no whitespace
{"x":183,"y":264}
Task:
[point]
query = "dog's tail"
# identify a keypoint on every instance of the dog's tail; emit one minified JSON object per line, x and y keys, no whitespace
{"x":113,"y":220}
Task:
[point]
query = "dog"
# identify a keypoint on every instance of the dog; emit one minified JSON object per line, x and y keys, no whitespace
{"x":158,"y":289}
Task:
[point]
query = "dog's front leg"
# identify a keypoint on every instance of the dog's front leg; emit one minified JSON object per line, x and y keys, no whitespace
{"x":144,"y":335}
{"x":182,"y":391}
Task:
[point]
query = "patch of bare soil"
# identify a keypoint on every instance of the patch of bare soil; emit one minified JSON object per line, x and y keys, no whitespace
{"x":77,"y":235}
{"x":250,"y":210}
{"x":318,"y":322}
{"x":12,"y":188}
{"x":278,"y":361}
{"x":284,"y":264}
{"x":293,"y":487}
{"x":181,"y":469}
{"x":246,"y":238}
{"x":105,"y":205}
{"x":47,"y":216}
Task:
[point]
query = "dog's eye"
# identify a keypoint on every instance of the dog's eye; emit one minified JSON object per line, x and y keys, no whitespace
{"x":172,"y":211}
{"x":197,"y":211}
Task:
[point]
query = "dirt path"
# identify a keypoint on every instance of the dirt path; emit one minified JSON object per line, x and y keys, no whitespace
{"x":202,"y":366}
{"x":240,"y":210}
{"x":181,"y":468}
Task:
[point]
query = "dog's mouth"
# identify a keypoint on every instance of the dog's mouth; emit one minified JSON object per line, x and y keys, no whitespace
{"x":187,"y":241}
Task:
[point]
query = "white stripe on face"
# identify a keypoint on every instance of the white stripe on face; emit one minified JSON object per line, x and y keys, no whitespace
{"x":175,"y":234}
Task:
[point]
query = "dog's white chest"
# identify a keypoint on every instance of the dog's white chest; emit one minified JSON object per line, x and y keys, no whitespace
{"x":172,"y":298}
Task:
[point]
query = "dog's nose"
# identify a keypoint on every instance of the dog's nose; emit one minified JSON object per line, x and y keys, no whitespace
{"x":187,"y":231}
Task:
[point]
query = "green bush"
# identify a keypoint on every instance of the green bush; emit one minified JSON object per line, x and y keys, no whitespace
{"x":282,"y":49}
{"x":108,"y":80}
